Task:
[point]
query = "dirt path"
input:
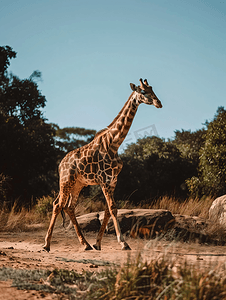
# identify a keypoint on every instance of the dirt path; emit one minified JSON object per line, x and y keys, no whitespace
{"x":24,"y":251}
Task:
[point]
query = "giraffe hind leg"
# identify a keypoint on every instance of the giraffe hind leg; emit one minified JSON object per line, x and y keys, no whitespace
{"x":107,"y":215}
{"x":70,"y":210}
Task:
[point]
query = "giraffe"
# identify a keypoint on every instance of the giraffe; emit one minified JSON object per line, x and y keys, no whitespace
{"x":98,"y":163}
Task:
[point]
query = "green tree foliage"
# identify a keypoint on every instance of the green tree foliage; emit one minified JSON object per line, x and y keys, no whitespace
{"x":212,"y":165}
{"x":6,"y":53}
{"x":189,"y":144}
{"x":23,"y":100}
{"x":70,"y":138}
{"x":152,"y":168}
{"x":27,"y":151}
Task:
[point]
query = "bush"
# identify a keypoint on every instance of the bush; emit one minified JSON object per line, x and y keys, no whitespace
{"x":44,"y":205}
{"x":5,"y":187}
{"x":212,"y":163}
{"x":153,"y":168}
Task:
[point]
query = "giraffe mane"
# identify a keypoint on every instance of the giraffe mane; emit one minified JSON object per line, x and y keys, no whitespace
{"x":100,"y":132}
{"x":119,"y":114}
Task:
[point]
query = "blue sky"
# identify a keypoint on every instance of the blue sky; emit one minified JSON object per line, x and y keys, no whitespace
{"x":89,"y":51}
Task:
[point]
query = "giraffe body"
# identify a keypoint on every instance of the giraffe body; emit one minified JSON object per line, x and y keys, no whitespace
{"x":90,"y":166}
{"x":97,"y":163}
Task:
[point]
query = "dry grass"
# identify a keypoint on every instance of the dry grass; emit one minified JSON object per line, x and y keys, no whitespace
{"x":86,"y":206}
{"x":192,"y":207}
{"x":41,"y":213}
{"x":24,"y":220}
{"x":29,"y":220}
{"x":158,"y":279}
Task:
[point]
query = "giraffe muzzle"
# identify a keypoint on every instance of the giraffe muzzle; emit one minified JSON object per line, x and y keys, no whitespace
{"x":157,"y":103}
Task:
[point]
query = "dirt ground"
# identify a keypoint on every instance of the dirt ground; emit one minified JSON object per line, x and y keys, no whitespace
{"x":23,"y":250}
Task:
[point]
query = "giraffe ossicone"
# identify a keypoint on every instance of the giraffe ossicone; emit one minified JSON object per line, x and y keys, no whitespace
{"x":97,"y":163}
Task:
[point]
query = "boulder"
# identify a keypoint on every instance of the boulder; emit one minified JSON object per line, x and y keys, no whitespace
{"x":152,"y":223}
{"x":144,"y":223}
{"x":217,"y":211}
{"x":89,"y":222}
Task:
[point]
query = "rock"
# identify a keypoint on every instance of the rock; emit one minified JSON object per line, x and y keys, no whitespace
{"x":148,"y":223}
{"x":152,"y":223}
{"x":217,"y":211}
{"x":192,"y":223}
{"x":125,"y":218}
{"x":136,"y":222}
{"x":185,"y":235}
{"x":89,"y":222}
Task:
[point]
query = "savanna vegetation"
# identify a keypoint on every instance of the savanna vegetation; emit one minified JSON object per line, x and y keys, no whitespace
{"x":30,"y":147}
{"x":158,"y":279}
{"x":183,"y":175}
{"x":192,"y":164}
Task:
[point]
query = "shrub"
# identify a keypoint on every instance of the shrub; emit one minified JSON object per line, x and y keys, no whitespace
{"x":44,"y":205}
{"x":212,"y":163}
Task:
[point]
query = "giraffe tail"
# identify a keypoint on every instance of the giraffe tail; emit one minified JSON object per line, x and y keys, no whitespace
{"x":63,"y":217}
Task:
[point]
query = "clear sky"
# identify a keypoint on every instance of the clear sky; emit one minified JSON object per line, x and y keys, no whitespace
{"x":90,"y":50}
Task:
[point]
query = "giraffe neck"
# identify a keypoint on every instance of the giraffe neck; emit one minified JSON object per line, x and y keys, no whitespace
{"x":120,"y":126}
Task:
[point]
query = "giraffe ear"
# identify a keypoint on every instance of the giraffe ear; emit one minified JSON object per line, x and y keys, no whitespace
{"x":133,"y":87}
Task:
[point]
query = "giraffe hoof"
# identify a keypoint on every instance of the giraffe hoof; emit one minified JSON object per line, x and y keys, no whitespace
{"x":46,"y":248}
{"x":126,"y":247}
{"x":88,"y":247}
{"x":96,"y":247}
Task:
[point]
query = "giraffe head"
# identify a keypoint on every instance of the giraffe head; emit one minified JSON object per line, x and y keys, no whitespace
{"x":145,"y":94}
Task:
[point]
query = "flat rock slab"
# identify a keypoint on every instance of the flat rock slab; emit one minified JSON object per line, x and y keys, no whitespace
{"x":192,"y":223}
{"x":89,"y":222}
{"x":131,"y":221}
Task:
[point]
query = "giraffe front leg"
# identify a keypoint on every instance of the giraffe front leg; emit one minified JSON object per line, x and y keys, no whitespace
{"x":70,"y":210}
{"x":107,"y":215}
{"x":108,"y":192}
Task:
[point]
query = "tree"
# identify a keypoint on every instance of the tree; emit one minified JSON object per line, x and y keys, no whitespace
{"x":211,"y":178}
{"x":152,"y":168}
{"x":6,"y":53}
{"x":189,"y":144}
{"x":23,"y":100}
{"x":27,"y":149}
{"x":70,"y":138}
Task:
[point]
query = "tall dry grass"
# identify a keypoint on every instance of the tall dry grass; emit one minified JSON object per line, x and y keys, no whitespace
{"x":23,"y":220}
{"x":41,"y":212}
{"x":194,"y":207}
{"x":191,"y":206}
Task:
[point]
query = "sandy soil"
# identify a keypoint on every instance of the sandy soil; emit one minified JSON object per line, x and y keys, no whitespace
{"x":24,"y":250}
